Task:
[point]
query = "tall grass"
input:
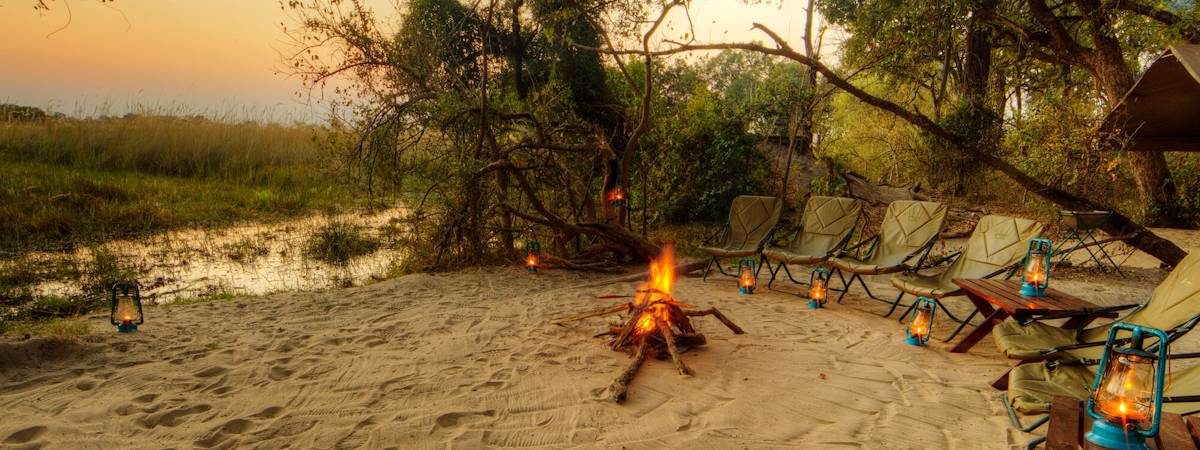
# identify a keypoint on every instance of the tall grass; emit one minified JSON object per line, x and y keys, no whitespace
{"x":67,"y":181}
{"x":162,"y":145}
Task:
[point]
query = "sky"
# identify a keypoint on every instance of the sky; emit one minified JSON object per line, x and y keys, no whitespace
{"x":222,"y":57}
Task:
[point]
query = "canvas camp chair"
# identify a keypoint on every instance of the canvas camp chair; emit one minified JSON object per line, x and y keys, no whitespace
{"x":1174,"y":306}
{"x":825,"y":227}
{"x":996,"y":246}
{"x":752,"y":219}
{"x":906,"y":235}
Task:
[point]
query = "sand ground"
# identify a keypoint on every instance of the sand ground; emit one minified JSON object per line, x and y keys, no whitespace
{"x":468,"y":360}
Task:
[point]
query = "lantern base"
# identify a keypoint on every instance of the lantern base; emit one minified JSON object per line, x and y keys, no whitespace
{"x":531,"y":269}
{"x":1030,"y":290}
{"x":914,"y":341}
{"x":127,"y":328}
{"x":745,"y":290}
{"x":813,"y":304}
{"x":1109,"y":435}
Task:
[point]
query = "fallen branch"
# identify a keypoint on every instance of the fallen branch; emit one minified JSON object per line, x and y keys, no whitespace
{"x":620,"y":386}
{"x":715,"y":313}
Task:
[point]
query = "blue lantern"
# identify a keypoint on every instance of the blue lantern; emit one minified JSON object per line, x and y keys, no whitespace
{"x":126,"y":311}
{"x":818,"y":288}
{"x":616,"y":197}
{"x":533,"y":256}
{"x":1127,"y":394}
{"x":1036,"y":276}
{"x":918,"y":330}
{"x":747,"y":281}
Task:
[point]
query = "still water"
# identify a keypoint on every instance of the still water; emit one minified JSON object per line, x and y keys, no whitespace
{"x":251,"y":259}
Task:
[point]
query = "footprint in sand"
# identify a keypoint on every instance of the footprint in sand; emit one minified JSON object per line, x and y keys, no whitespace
{"x":25,"y":435}
{"x":451,"y":419}
{"x":210,"y":372}
{"x":173,"y":417}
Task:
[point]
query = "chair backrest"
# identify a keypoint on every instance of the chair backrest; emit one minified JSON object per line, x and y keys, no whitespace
{"x":996,"y":243}
{"x":751,"y":218}
{"x":826,"y":224}
{"x":1175,"y":300}
{"x":907,"y":226}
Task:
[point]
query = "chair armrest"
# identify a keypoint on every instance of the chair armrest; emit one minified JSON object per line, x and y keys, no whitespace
{"x":871,"y":240}
{"x":716,"y":235}
{"x":945,"y":258}
{"x":1079,"y":313}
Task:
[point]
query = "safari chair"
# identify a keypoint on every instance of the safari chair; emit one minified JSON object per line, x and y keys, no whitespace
{"x":752,"y":220}
{"x":1174,"y":306}
{"x":996,"y":246}
{"x":906,"y":235}
{"x":825,"y":227}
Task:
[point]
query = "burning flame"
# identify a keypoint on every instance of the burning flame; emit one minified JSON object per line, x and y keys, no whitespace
{"x":656,"y":289}
{"x":1035,"y":272}
{"x":920,"y":325}
{"x":531,"y":260}
{"x":616,"y":194}
{"x":817,"y":291}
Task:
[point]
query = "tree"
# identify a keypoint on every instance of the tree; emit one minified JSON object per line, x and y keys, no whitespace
{"x":1120,"y":225}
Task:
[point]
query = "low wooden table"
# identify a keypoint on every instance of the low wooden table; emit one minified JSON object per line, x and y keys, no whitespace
{"x":999,"y":299}
{"x":1069,"y":423}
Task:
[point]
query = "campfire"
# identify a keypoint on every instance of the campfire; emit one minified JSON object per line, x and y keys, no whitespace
{"x":657,"y":324}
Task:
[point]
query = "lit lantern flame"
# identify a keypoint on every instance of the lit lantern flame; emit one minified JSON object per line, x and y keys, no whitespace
{"x":126,"y":310}
{"x":745,"y":279}
{"x":531,"y":261}
{"x":919,"y":327}
{"x":1125,"y":394}
{"x":616,"y":195}
{"x":1035,"y":270}
{"x":818,"y":291}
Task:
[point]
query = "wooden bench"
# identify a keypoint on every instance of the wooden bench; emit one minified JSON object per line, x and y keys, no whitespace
{"x":1069,"y":423}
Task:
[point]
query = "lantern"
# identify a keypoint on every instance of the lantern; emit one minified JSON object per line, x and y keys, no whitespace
{"x":747,"y":281}
{"x":533,"y":256}
{"x":1036,"y":276}
{"x":1127,"y":394}
{"x":818,"y":288}
{"x":126,"y":307}
{"x":917,"y":332}
{"x":616,"y":197}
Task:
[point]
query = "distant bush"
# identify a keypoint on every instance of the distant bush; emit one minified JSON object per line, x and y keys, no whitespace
{"x":338,"y":243}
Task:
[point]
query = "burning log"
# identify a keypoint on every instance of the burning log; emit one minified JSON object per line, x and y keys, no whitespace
{"x":658,"y":324}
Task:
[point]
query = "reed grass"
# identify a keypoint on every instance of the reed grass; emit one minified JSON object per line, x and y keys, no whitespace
{"x":66,"y":182}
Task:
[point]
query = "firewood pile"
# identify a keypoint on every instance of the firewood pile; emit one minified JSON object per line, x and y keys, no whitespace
{"x":657,"y":325}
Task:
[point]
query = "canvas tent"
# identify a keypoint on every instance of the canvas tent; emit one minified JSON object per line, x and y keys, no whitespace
{"x":1162,"y":111}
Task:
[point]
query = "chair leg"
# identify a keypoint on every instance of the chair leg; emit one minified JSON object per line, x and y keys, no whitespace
{"x":895,"y":304}
{"x":1035,"y":442}
{"x":761,"y":260}
{"x":962,"y":325}
{"x":721,"y":268}
{"x":709,"y":268}
{"x":907,"y":311}
{"x":774,"y":271}
{"x":845,"y":285}
{"x":865,"y":288}
{"x":790,"y":277}
{"x":1016,"y":421}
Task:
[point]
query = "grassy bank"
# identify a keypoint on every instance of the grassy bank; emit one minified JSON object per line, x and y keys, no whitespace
{"x":67,"y":182}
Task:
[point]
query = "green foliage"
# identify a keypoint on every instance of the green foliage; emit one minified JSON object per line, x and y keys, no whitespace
{"x":338,"y":243}
{"x":957,"y":170}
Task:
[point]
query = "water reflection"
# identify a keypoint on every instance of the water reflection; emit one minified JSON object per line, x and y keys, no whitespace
{"x":252,"y":259}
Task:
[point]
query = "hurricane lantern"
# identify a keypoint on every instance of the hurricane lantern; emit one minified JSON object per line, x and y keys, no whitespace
{"x":917,"y":333}
{"x":533,"y":256}
{"x":818,"y":288}
{"x":1127,"y":394}
{"x":126,"y":307}
{"x":616,"y":196}
{"x":747,"y":281}
{"x":1036,"y":276}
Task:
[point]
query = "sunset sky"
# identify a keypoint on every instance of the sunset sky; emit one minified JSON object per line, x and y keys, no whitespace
{"x":218,"y":57}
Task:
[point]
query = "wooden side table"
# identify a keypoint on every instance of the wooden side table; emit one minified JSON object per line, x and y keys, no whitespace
{"x":997,"y":300}
{"x":1069,"y":422}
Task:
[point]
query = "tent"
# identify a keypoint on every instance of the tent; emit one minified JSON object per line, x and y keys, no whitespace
{"x":1162,"y":111}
